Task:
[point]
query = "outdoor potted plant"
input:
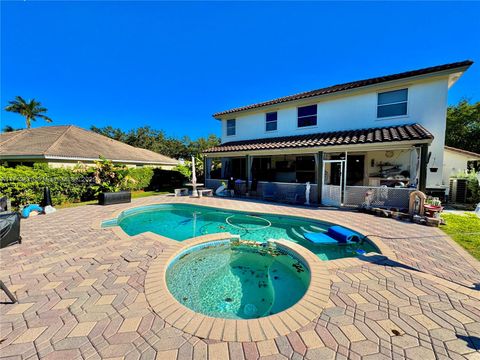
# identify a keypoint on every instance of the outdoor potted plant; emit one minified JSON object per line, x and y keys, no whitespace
{"x":433,"y":207}
{"x":111,"y":182}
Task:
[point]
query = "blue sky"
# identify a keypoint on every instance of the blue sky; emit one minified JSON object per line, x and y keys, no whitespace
{"x":172,"y":65}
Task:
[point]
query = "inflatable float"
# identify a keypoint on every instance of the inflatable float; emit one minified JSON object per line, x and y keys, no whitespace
{"x":334,"y":235}
{"x":29,"y":208}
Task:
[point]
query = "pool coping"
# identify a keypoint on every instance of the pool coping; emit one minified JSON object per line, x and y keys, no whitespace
{"x":306,"y":310}
{"x":385,"y":251}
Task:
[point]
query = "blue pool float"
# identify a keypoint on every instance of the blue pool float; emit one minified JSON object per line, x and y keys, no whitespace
{"x":320,"y":239}
{"x":335,"y":235}
{"x":29,"y":208}
{"x":342,"y":235}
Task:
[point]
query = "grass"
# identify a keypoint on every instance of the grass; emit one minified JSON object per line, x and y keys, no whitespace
{"x":135,"y":195}
{"x":465,"y":230}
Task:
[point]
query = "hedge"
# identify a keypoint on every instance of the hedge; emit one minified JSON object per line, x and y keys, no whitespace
{"x":141,"y":178}
{"x":25,"y":185}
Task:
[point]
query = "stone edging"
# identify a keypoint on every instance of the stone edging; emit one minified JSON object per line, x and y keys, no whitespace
{"x":307,"y":309}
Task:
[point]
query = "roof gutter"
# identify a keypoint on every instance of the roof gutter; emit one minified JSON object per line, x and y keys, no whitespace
{"x":66,"y":158}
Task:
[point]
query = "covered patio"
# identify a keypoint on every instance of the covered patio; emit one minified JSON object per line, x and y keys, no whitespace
{"x":378,"y":167}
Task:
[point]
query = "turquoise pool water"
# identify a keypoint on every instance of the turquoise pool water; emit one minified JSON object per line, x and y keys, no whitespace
{"x":237,"y":281}
{"x":183,"y":221}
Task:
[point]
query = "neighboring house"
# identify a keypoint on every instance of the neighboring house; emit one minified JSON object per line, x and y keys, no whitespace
{"x":457,"y":161}
{"x":66,"y":146}
{"x":383,"y":135}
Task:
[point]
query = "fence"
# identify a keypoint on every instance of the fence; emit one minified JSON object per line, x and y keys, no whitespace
{"x":379,"y":196}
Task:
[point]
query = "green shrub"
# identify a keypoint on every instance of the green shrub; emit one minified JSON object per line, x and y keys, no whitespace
{"x":473,"y":186}
{"x":184,"y":169}
{"x":140,"y":178}
{"x":25,"y":185}
{"x":167,"y":179}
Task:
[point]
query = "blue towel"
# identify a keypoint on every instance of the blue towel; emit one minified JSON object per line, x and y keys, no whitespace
{"x":342,"y":235}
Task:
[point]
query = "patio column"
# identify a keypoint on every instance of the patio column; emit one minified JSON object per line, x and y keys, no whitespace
{"x":248,"y":164}
{"x":422,"y":178}
{"x":319,"y":175}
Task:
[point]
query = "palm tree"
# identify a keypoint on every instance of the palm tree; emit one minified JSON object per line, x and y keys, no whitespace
{"x":31,"y":110}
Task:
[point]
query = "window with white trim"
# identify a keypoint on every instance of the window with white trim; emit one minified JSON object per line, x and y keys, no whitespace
{"x":271,"y":121}
{"x":231,"y":127}
{"x":392,"y":103}
{"x":307,"y":116}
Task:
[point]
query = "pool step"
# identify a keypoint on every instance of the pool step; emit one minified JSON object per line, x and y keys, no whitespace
{"x":318,"y":229}
{"x":295,"y":233}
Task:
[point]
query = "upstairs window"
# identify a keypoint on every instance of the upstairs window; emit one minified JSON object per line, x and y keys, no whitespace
{"x":392,"y":103}
{"x":271,"y":121}
{"x":307,"y":116}
{"x":231,"y":127}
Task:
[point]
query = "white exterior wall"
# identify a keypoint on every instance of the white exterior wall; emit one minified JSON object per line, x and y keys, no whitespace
{"x":454,"y":163}
{"x":427,"y":105}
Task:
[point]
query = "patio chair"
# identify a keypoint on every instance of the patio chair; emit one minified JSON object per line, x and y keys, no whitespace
{"x":268,"y":192}
{"x":291,"y":197}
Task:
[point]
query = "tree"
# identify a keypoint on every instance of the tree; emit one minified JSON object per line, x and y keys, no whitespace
{"x":9,"y":128}
{"x":463,"y":126}
{"x":31,"y":110}
{"x":155,"y":140}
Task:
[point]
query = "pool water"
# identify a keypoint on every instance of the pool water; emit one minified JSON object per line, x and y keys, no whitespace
{"x":237,"y":281}
{"x":184,"y":221}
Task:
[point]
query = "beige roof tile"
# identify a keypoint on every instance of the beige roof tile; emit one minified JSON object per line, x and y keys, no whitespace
{"x":74,"y":144}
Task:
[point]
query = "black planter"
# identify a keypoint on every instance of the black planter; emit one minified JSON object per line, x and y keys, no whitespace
{"x":433,"y":169}
{"x":110,"y":198}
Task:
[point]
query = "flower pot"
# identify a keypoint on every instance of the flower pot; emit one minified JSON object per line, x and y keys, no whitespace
{"x":110,"y":198}
{"x":433,"y":169}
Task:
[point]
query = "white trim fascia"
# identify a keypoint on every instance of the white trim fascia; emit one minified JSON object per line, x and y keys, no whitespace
{"x":70,"y":158}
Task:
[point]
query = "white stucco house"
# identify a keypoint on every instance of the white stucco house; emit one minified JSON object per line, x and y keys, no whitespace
{"x":457,"y":161}
{"x":383,"y":136}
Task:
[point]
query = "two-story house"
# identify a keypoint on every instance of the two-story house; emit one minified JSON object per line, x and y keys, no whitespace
{"x":382,"y":137}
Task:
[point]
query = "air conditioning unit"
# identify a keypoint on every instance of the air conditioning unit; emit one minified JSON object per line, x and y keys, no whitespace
{"x":458,"y":190}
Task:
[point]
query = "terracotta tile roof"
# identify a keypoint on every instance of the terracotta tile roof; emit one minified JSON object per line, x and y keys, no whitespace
{"x":349,"y":86}
{"x":73,"y":143}
{"x":472,"y":154}
{"x":346,"y":137}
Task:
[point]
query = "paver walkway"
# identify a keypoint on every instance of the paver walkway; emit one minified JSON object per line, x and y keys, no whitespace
{"x":81,"y":292}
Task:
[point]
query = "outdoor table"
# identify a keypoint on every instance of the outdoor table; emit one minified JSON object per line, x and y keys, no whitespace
{"x":194,"y":188}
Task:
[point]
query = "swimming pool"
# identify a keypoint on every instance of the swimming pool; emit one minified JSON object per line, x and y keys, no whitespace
{"x":235,"y":280}
{"x":184,"y":221}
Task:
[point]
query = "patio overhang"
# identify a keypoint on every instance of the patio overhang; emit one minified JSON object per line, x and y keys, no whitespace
{"x":393,"y":137}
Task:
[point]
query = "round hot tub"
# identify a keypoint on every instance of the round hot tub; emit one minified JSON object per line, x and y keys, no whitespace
{"x":237,"y":279}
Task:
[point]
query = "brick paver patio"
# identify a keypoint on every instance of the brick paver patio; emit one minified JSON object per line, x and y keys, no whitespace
{"x":81,"y":295}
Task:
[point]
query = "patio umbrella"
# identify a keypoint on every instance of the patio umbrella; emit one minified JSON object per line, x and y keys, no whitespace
{"x":194,"y":176}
